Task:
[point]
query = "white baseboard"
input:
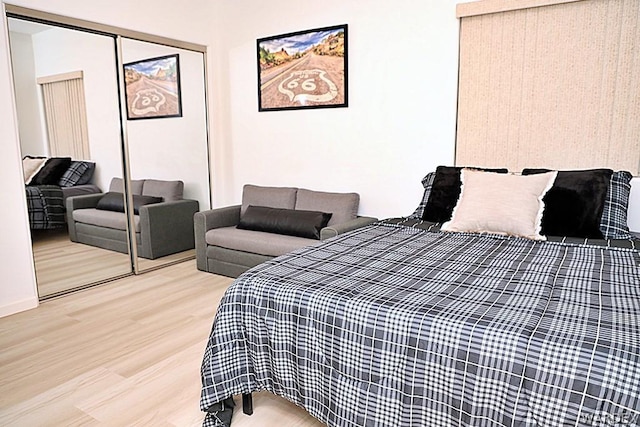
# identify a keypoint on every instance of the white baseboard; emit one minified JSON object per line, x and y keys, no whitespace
{"x":18,"y":306}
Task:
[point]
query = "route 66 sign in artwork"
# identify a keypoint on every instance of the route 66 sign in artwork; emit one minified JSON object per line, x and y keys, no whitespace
{"x":153,"y":88}
{"x":305,"y":69}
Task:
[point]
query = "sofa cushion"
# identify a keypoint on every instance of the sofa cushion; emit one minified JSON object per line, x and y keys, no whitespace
{"x":342,"y":206}
{"x":168,"y":190}
{"x":117,"y":185}
{"x":102,"y":218}
{"x":272,"y":197}
{"x":257,"y":242}
{"x":113,"y":201}
{"x":292,"y":222}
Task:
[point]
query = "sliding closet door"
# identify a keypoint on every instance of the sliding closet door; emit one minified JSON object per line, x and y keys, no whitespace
{"x":41,"y":52}
{"x":167,"y":134}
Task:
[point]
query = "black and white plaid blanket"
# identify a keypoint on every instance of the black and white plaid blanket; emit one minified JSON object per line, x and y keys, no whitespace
{"x":391,"y":325}
{"x":46,"y":206}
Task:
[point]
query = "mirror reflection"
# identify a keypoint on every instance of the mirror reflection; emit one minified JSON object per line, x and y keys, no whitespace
{"x":167,"y":147}
{"x":71,"y":132}
{"x":67,"y":102}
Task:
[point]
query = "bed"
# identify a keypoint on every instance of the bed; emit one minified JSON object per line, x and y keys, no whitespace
{"x":412,"y":322}
{"x":48,"y":184}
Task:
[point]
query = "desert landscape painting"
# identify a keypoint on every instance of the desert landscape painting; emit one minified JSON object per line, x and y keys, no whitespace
{"x":306,"y":69}
{"x":153,"y":88}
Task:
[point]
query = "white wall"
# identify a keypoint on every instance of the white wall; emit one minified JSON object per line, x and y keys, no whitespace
{"x":32,"y":137}
{"x":400,"y":123}
{"x":17,"y":278}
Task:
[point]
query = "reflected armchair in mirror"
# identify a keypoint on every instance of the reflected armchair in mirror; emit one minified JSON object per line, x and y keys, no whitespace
{"x":163,"y":219}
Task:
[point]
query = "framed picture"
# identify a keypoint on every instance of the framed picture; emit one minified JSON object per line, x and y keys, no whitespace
{"x":305,"y":69}
{"x":153,"y":88}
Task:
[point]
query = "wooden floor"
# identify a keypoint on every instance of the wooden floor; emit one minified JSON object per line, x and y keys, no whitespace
{"x":126,"y":353}
{"x":62,"y":265}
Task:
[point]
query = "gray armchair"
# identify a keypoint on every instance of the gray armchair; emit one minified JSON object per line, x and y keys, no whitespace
{"x":161,"y":228}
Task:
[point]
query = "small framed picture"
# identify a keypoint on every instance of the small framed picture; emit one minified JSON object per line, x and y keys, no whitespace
{"x":305,"y":69}
{"x":153,"y":88}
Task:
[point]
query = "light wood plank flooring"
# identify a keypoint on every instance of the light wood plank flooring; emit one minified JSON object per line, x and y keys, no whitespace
{"x":126,"y":353}
{"x":62,"y":265}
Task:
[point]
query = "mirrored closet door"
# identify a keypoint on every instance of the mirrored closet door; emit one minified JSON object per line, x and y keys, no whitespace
{"x":66,"y":89}
{"x":124,"y":115}
{"x":167,"y":141}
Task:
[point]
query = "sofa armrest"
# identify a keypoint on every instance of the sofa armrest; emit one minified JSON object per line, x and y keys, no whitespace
{"x":207,"y":220}
{"x":336,"y":229}
{"x":167,"y":227}
{"x":79,"y":202}
{"x":83,"y":202}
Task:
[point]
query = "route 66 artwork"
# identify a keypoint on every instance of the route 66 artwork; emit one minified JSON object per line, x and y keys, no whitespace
{"x":153,"y":88}
{"x":305,"y":69}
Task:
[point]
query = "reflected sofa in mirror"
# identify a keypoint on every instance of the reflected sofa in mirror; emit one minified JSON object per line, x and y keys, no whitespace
{"x":162,"y":218}
{"x":171,"y":148}
{"x":42,"y":53}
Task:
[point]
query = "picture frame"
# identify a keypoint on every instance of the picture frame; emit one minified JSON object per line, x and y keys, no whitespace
{"x":152,"y":88}
{"x":303,"y":69}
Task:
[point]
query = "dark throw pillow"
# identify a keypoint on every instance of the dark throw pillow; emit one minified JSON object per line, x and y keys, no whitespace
{"x":574,"y":205}
{"x":292,"y":222}
{"x":114,"y":201}
{"x":78,"y":173}
{"x":613,"y":223}
{"x":445,"y":192}
{"x":52,"y":171}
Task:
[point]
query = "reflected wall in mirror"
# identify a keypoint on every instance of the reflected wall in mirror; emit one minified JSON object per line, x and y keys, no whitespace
{"x":163,"y":151}
{"x":42,"y":54}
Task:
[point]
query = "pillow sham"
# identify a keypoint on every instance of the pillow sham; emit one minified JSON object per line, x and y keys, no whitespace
{"x":78,"y":173}
{"x":292,"y":222}
{"x":114,"y":201}
{"x":52,"y":171}
{"x":574,"y":205}
{"x":445,"y":192}
{"x":500,"y":204}
{"x":31,"y":166}
{"x":427,"y":182}
{"x":613,"y":223}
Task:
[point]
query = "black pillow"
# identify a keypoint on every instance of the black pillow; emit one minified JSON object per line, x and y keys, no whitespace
{"x":445,"y":192}
{"x":573,"y":206}
{"x":114,"y":201}
{"x":52,"y":171}
{"x":291,"y":222}
{"x":80,"y":172}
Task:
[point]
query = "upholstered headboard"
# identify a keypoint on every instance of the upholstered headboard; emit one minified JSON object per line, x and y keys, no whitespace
{"x":549,"y":83}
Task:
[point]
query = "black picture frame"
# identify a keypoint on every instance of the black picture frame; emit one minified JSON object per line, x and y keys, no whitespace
{"x":303,"y":69}
{"x":152,"y":88}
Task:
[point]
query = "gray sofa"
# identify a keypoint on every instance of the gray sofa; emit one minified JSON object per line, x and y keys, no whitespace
{"x":222,"y":248}
{"x":161,"y":228}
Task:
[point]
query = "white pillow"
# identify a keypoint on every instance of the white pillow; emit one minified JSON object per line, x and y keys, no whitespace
{"x":31,"y":166}
{"x":500,"y":204}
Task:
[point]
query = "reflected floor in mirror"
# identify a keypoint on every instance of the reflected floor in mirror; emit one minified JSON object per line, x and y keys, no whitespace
{"x":62,"y":265}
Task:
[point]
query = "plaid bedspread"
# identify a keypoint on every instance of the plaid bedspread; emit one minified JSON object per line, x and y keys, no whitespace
{"x":391,"y":325}
{"x":46,"y":207}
